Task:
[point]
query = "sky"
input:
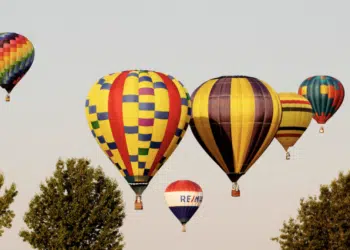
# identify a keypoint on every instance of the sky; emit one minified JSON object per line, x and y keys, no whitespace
{"x":78,"y":42}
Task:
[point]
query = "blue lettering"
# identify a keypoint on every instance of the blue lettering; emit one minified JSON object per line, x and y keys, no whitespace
{"x":182,"y":198}
{"x":188,"y":198}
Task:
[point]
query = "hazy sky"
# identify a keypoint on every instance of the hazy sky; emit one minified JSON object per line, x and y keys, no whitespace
{"x":77,"y":42}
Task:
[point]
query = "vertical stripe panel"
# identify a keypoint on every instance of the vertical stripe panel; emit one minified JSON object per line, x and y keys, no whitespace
{"x":99,"y":97}
{"x":130,"y":119}
{"x":273,"y":115}
{"x":115,"y":107}
{"x":174,"y":112}
{"x":161,"y":101}
{"x":262,"y":120}
{"x":220,"y":120}
{"x":200,"y":116}
{"x":183,"y":122}
{"x":242,"y":118}
{"x":146,"y":98}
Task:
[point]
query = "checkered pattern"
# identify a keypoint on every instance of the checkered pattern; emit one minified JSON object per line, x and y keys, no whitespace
{"x":145,"y":116}
{"x":183,"y":125}
{"x":97,"y":115}
{"x":16,"y":58}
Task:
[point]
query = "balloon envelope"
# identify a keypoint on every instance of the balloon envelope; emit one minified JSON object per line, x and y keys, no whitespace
{"x":234,"y":119}
{"x":296,"y":117}
{"x":138,"y":118}
{"x":16,"y":58}
{"x":326,"y":95}
{"x":184,"y":198}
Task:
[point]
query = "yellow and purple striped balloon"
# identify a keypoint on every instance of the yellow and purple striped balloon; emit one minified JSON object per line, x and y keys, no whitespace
{"x":234,"y":119}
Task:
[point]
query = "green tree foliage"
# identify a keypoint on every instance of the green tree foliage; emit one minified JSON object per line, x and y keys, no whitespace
{"x":77,"y":208}
{"x":6,"y":214}
{"x":323,"y":222}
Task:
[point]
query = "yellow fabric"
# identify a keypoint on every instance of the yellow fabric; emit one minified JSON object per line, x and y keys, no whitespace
{"x":200,"y":114}
{"x":276,"y":120}
{"x":241,"y":125}
{"x":99,"y":97}
{"x":242,"y":114}
{"x":299,"y":119}
{"x":139,"y":149}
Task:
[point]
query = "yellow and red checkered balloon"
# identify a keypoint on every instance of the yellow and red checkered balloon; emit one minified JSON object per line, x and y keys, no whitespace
{"x":138,"y":117}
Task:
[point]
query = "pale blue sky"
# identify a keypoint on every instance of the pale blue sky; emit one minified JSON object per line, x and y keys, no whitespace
{"x":77,"y":42}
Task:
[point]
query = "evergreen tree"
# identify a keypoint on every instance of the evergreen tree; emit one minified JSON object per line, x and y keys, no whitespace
{"x":323,"y":222}
{"x":6,"y":214}
{"x":77,"y":208}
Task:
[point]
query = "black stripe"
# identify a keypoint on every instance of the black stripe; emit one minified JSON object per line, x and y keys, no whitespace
{"x":292,"y":128}
{"x":297,"y":109}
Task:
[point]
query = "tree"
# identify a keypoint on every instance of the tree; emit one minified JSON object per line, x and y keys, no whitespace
{"x":77,"y":208}
{"x":323,"y":222}
{"x":6,"y":214}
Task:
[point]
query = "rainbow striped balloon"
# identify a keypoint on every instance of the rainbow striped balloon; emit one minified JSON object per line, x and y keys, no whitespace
{"x":184,"y":198}
{"x":16,"y":58}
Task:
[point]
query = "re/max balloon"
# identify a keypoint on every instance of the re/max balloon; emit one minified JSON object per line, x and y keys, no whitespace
{"x":138,"y":118}
{"x":296,"y":117}
{"x":183,"y":198}
{"x":326,"y":95}
{"x":16,"y":58}
{"x":234,"y":119}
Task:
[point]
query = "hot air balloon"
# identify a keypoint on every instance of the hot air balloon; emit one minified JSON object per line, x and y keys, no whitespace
{"x":16,"y":58}
{"x":326,"y":95}
{"x":184,"y":198}
{"x":234,"y":119}
{"x":138,"y":117}
{"x":296,"y":117}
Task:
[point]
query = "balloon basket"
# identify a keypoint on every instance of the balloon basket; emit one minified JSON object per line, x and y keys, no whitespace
{"x":138,"y":203}
{"x":321,"y":130}
{"x":235,"y":193}
{"x":183,"y":228}
{"x":7,"y":99}
{"x":138,"y":206}
{"x":287,"y":156}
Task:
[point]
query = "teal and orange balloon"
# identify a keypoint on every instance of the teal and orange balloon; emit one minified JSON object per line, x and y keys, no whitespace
{"x":16,"y":58}
{"x":138,"y":117}
{"x":326,"y":95}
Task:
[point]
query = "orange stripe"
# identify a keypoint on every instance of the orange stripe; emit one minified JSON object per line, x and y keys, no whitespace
{"x":295,"y":101}
{"x":288,"y":135}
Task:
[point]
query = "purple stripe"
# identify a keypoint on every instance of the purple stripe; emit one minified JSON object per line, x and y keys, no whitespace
{"x":220,"y":119}
{"x":146,"y":91}
{"x":262,"y":120}
{"x":146,"y":121}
